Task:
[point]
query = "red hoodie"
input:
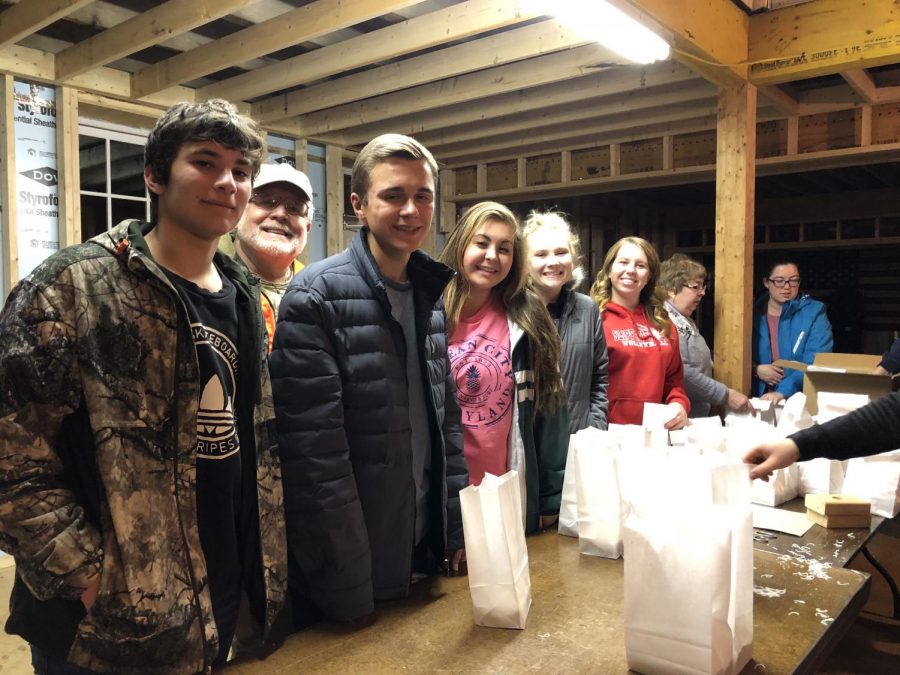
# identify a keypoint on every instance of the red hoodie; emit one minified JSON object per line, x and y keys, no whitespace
{"x":644,"y":365}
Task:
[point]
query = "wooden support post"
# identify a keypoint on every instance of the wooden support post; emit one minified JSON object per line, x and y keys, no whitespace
{"x":793,"y":135}
{"x":448,"y":207}
{"x":565,"y":166}
{"x":668,"y":148}
{"x":301,"y":161}
{"x":8,"y":220}
{"x":481,"y":178}
{"x":68,"y":166}
{"x":864,"y":127}
{"x":615,"y":160}
{"x":301,"y":155}
{"x":334,"y":199}
{"x":735,"y":177}
{"x":521,"y":175}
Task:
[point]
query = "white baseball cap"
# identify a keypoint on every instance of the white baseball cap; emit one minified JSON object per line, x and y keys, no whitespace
{"x":284,"y":173}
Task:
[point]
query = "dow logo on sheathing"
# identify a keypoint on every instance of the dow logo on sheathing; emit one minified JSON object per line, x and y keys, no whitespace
{"x":45,"y":175}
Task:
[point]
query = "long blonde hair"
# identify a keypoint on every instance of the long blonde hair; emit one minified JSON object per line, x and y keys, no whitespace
{"x":554,"y":220}
{"x":516,"y":294}
{"x":652,"y":298}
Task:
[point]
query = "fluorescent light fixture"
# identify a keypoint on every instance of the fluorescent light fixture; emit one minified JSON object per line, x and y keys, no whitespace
{"x":600,"y":21}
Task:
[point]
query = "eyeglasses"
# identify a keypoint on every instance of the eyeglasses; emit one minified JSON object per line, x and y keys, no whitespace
{"x":781,"y":282}
{"x":295,"y":209}
{"x":699,"y":288}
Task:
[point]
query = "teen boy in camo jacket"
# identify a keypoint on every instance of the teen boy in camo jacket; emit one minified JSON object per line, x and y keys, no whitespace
{"x":101,"y":484}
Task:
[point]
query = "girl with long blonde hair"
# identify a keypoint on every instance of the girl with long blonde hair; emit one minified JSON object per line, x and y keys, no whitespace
{"x":644,"y":361}
{"x":504,"y":355}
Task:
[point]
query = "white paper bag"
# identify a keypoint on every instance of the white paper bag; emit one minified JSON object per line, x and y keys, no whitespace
{"x":877,"y":479}
{"x":654,"y":422}
{"x":499,"y":581}
{"x":568,"y":509}
{"x":834,"y":404}
{"x":821,"y":475}
{"x":794,"y":416}
{"x":689,"y":568}
{"x":599,"y":506}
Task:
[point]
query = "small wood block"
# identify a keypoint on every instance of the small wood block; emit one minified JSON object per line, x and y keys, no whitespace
{"x":837,"y":505}
{"x":853,"y":520}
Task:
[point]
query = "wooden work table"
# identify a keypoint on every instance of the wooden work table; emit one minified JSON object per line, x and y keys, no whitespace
{"x":576,"y":622}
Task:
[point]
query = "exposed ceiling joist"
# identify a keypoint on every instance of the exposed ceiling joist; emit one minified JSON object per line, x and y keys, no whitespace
{"x":26,"y":18}
{"x":781,"y":99}
{"x":470,"y":87}
{"x":564,"y":133}
{"x":138,"y":32}
{"x":589,"y":111}
{"x":39,"y":65}
{"x":709,"y":36}
{"x":616,"y":86}
{"x":429,"y":30}
{"x":293,"y":27}
{"x":513,"y":45}
{"x":863,"y":84}
{"x":821,"y":38}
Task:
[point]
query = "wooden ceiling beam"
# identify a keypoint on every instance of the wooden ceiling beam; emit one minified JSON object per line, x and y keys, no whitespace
{"x":709,"y":36}
{"x":429,"y":30}
{"x":617,"y":88}
{"x":781,"y":99}
{"x":285,"y":30}
{"x":514,"y":45}
{"x":464,"y":88}
{"x":38,"y":65}
{"x":589,"y":112}
{"x":637,"y":122}
{"x":25,"y":18}
{"x":863,"y":84}
{"x":822,"y":38}
{"x":141,"y":31}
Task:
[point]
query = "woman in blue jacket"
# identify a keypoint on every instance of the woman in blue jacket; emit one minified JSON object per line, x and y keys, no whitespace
{"x":786,"y":325}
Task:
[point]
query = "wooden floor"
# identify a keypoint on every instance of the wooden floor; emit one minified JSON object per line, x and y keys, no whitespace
{"x":872,"y":645}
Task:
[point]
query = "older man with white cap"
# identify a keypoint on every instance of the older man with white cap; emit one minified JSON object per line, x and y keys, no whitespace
{"x":273,"y":232}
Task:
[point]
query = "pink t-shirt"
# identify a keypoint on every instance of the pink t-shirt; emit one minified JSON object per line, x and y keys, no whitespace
{"x":482,"y":367}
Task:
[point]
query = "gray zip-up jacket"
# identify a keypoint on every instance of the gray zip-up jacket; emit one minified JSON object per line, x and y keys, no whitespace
{"x":703,"y":391}
{"x":584,"y":361}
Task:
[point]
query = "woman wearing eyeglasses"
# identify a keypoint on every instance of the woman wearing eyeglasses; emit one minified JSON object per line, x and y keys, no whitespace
{"x":786,"y":325}
{"x":684,"y":281}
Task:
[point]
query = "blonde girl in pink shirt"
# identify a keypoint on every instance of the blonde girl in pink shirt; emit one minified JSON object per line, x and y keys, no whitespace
{"x":504,"y":354}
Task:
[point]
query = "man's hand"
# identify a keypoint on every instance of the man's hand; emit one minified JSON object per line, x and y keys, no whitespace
{"x":773,"y":396}
{"x":770,"y":456}
{"x":89,"y":596}
{"x":770,"y":374}
{"x":679,"y":416}
{"x":739,"y":403}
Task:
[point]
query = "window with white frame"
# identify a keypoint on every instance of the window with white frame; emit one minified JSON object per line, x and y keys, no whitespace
{"x":111,"y":169}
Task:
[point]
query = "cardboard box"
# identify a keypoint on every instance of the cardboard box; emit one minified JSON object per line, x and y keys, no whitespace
{"x":840,"y":373}
{"x":838,"y":510}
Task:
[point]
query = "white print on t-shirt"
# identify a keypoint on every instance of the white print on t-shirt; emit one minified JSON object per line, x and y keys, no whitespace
{"x":484,"y":381}
{"x":216,"y":428}
{"x":629,"y":337}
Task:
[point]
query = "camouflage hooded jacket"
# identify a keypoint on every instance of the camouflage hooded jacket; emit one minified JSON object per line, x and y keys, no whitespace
{"x":99,"y":393}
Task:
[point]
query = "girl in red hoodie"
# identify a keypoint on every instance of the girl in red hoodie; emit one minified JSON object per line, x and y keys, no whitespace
{"x":644,"y":362}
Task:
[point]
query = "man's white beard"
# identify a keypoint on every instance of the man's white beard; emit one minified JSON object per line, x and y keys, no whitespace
{"x":270,"y":246}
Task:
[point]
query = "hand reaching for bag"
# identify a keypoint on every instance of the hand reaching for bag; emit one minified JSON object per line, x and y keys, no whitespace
{"x":679,"y":416}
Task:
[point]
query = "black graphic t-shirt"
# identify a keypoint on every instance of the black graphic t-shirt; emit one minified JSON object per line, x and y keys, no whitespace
{"x":214,"y":326}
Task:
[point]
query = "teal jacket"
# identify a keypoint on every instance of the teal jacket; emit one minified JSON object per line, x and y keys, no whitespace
{"x":803,"y":332}
{"x":540,"y":441}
